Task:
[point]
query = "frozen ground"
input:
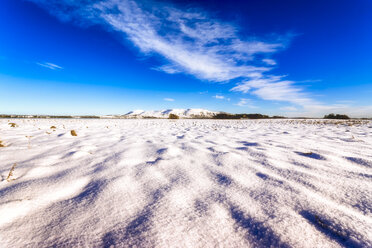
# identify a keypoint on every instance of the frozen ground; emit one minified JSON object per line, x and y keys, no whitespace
{"x":185,"y":183}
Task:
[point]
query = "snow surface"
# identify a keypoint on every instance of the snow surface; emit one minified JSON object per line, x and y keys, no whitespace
{"x":185,"y":183}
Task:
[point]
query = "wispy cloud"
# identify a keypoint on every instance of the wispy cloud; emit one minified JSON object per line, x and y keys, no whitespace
{"x":49,"y":65}
{"x":189,"y":41}
{"x":219,"y":97}
{"x":269,"y":61}
{"x":289,"y":108}
{"x":169,"y":99}
{"x":320,"y":110}
{"x":244,"y":102}
{"x":274,"y":88}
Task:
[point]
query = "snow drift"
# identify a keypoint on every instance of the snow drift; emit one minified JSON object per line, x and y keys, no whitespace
{"x":185,"y":183}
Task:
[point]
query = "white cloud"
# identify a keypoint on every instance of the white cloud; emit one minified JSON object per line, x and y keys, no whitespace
{"x":190,"y":41}
{"x":319,"y":110}
{"x":219,"y":97}
{"x":351,"y":110}
{"x":275,"y":89}
{"x":49,"y":65}
{"x":289,"y":108}
{"x":269,"y":61}
{"x":169,"y":99}
{"x":244,"y":102}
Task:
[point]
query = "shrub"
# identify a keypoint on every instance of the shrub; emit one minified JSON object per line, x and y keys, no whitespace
{"x":73,"y":133}
{"x":337,"y":116}
{"x":173,"y":116}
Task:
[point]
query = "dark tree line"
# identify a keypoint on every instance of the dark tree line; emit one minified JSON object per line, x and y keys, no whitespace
{"x":336,"y":116}
{"x":243,"y":116}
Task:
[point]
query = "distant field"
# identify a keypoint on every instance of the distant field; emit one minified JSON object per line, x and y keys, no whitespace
{"x":185,"y":183}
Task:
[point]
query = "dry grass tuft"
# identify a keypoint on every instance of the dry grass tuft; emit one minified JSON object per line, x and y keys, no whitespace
{"x":29,"y":141}
{"x":73,"y":133}
{"x":10,"y":175}
{"x":53,"y":127}
{"x":12,"y":124}
{"x":1,"y":144}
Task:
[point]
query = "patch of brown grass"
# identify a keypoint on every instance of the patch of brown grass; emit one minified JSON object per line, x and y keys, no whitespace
{"x":53,"y":127}
{"x":1,"y":144}
{"x":10,"y":175}
{"x":73,"y":133}
{"x":12,"y":124}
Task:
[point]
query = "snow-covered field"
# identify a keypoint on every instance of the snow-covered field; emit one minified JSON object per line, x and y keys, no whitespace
{"x":185,"y":183}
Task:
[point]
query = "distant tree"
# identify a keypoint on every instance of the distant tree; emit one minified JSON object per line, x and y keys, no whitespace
{"x":257,"y":116}
{"x":89,"y":117}
{"x":173,"y":116}
{"x":59,"y":116}
{"x":226,"y":116}
{"x":337,"y":116}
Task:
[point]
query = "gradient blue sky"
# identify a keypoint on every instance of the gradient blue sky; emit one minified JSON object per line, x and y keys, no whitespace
{"x":287,"y":57}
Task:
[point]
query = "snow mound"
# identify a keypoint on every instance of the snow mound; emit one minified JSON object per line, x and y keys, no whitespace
{"x":185,"y":183}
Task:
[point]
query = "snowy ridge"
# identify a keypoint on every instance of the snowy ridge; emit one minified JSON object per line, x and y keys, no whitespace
{"x":182,"y":113}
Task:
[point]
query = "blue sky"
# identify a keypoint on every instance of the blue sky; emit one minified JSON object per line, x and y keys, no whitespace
{"x":288,"y":57}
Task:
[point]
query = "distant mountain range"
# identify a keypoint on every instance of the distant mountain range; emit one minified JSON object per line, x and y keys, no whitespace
{"x":182,"y":113}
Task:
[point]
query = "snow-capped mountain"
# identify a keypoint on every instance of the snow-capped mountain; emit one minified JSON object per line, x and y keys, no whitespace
{"x":182,"y":113}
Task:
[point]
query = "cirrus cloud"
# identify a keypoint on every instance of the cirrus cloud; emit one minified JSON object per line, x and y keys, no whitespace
{"x":219,"y":97}
{"x":274,"y":88}
{"x":49,"y":65}
{"x":189,"y":41}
